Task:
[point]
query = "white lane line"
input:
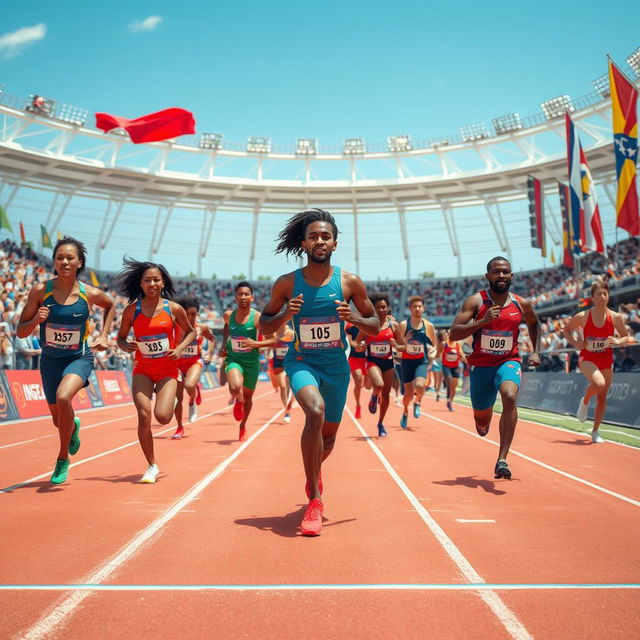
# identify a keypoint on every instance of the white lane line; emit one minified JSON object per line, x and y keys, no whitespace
{"x":61,"y":612}
{"x":544,"y":465}
{"x":473,"y":520}
{"x":509,"y":620}
{"x":106,"y":453}
{"x":391,"y":586}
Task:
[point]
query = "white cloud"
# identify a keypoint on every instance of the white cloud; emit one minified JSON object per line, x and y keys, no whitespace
{"x":11,"y":44}
{"x":148,"y":24}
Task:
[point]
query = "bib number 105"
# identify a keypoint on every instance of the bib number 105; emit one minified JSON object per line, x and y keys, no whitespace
{"x":320,"y":333}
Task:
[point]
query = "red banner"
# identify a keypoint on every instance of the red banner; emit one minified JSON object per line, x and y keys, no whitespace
{"x":82,"y":400}
{"x":27,"y":392}
{"x":114,"y":387}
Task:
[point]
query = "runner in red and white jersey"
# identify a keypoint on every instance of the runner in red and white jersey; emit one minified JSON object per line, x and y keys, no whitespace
{"x":493,"y":318}
{"x":598,"y":326}
{"x":452,"y":358}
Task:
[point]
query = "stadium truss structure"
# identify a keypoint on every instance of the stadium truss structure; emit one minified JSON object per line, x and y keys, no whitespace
{"x":479,"y":168}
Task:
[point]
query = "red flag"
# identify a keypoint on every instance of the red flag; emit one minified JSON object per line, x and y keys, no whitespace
{"x":22,"y":236}
{"x":169,"y":123}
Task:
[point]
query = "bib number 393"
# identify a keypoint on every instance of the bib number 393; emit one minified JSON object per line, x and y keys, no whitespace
{"x":59,"y":336}
{"x":319,"y":333}
{"x":498,"y":342}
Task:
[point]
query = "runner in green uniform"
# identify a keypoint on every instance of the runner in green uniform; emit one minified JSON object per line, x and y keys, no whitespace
{"x":240,"y":345}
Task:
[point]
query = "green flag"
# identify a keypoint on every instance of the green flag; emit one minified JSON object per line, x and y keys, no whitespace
{"x":4,"y":220}
{"x":46,"y":240}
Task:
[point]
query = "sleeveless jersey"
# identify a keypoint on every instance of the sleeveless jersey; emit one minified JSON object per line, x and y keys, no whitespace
{"x":380,"y":345}
{"x":65,"y":331}
{"x":353,"y":331}
{"x":451,"y":355}
{"x":192,"y":350}
{"x":281,"y":348}
{"x":156,"y":335}
{"x":238,"y":334}
{"x":595,"y":337}
{"x":418,"y":343}
{"x":319,"y":332}
{"x":497,"y":342}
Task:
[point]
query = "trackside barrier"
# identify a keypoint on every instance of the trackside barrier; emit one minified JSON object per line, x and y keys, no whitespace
{"x":561,"y":392}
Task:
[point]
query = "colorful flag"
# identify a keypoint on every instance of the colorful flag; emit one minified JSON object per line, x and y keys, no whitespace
{"x":23,"y":237}
{"x":536,"y":215}
{"x":46,"y":240}
{"x":593,"y":238}
{"x":4,"y":221}
{"x":162,"y":125}
{"x":576,"y":230}
{"x":94,"y":278}
{"x":567,"y":252}
{"x":624,"y":99}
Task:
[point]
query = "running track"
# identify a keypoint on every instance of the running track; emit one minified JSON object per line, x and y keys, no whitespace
{"x":419,"y":541}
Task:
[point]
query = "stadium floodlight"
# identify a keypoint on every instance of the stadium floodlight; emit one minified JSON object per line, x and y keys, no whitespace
{"x":471,"y":132}
{"x":210,"y":141}
{"x":506,"y":124}
{"x":306,"y":147}
{"x":259,"y":145}
{"x":72,"y":114}
{"x":557,"y":107}
{"x":398,"y":144}
{"x":601,"y":85}
{"x":439,"y":142}
{"x":354,"y":146}
{"x":41,"y":105}
{"x":634,"y":62}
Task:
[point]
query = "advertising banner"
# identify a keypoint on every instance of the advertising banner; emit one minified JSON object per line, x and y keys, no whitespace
{"x":8,"y":409}
{"x":114,"y":387}
{"x":27,"y":392}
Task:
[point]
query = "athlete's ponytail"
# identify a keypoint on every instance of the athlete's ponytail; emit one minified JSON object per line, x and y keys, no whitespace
{"x":128,"y":281}
{"x":291,"y":237}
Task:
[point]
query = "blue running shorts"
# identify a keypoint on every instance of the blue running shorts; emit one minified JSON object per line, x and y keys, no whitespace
{"x":486,"y":381}
{"x":52,"y":370}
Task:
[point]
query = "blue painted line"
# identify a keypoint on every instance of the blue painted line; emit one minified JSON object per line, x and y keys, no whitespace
{"x":318,"y":587}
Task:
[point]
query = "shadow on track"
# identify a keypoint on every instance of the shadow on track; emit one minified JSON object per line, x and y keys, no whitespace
{"x":287,"y":526}
{"x":473,"y":483}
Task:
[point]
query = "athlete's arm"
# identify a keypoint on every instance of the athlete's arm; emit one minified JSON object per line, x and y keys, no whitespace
{"x":399,"y":333}
{"x":533,"y":323}
{"x":357,"y":343}
{"x":208,"y":334}
{"x":128,"y":346}
{"x":222,"y":352}
{"x":33,"y":313}
{"x":577,"y":322}
{"x":624,"y":337}
{"x":180,"y":316}
{"x":463,"y":324}
{"x":433,"y":336}
{"x":102,"y":299}
{"x":366,"y":319}
{"x":267,"y":341}
{"x":281,"y":307}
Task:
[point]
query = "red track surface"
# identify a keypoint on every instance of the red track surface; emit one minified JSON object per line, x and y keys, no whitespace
{"x":452,"y":525}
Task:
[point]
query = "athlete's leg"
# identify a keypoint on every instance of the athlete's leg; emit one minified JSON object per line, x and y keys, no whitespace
{"x":279,"y":380}
{"x":437,"y":382}
{"x":375,"y":375}
{"x":311,"y":441}
{"x":142,"y":389}
{"x":165,"y":400}
{"x":509,"y":417}
{"x":407,"y":397}
{"x":356,"y":375}
{"x":419,"y":387}
{"x":387,"y":378}
{"x":178,"y":409}
{"x":483,"y":396}
{"x":594,"y":377}
{"x":235,"y":378}
{"x":247,"y":398}
{"x":67,"y":389}
{"x":601,"y":399}
{"x":191,"y":381}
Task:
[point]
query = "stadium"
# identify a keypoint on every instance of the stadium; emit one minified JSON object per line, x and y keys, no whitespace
{"x":417,"y":218}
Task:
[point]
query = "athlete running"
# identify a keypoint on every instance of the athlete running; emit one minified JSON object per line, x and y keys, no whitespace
{"x":436,"y":365}
{"x":493,"y":318}
{"x":190,"y":364}
{"x":285,"y":335}
{"x":380,"y":358}
{"x":452,"y":358}
{"x":421,"y":345}
{"x":598,"y":327}
{"x":357,"y":364}
{"x":317,"y":298}
{"x":155,"y":321}
{"x":62,"y":307}
{"x":240,"y":346}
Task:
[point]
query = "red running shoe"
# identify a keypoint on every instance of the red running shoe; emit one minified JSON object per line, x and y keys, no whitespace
{"x":307,"y":490}
{"x":358,"y":413}
{"x":198,"y":395}
{"x":311,"y":524}
{"x":238,"y":411}
{"x":243,"y":434}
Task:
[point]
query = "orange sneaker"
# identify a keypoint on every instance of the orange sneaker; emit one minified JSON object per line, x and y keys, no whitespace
{"x":308,"y":490}
{"x":358,"y":413}
{"x":311,"y":524}
{"x":243,"y":434}
{"x":238,"y":411}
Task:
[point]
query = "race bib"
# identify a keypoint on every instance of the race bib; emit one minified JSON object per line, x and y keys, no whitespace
{"x":450,"y":356}
{"x":496,"y":342}
{"x":281,"y":352}
{"x":380,"y":349}
{"x":239,"y":344}
{"x":320,"y":333}
{"x":596,"y":345}
{"x":191,"y":351}
{"x":60,"y":336}
{"x":415,"y":348}
{"x":153,"y":346}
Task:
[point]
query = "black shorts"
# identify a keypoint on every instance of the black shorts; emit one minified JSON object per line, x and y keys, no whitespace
{"x":384,"y":363}
{"x":451,"y":372}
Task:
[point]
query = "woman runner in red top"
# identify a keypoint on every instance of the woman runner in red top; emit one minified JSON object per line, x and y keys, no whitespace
{"x":452,"y":358}
{"x":154,"y":320}
{"x":380,"y":368}
{"x":285,"y":335}
{"x":598,"y":326}
{"x":190,"y":364}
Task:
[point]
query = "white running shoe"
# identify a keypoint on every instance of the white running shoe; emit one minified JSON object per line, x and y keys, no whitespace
{"x":151,"y":474}
{"x":596,"y":437}
{"x":193,"y":412}
{"x":287,"y":418}
{"x":581,"y":413}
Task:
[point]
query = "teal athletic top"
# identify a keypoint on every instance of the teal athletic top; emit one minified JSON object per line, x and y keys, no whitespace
{"x":65,"y":331}
{"x":320,"y":334}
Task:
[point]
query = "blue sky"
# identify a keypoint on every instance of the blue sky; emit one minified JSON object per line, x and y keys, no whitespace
{"x":324,"y":70}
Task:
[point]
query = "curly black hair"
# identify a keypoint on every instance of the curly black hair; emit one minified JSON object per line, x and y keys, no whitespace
{"x":291,"y":237}
{"x":128,"y":281}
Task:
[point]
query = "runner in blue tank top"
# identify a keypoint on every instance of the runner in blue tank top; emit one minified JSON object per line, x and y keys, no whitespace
{"x":61,"y":307}
{"x":317,"y":299}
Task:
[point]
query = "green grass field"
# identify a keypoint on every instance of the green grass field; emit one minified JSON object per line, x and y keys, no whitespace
{"x":625,"y":435}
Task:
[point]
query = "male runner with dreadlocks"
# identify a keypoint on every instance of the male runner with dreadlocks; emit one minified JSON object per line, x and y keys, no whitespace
{"x":317,"y":298}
